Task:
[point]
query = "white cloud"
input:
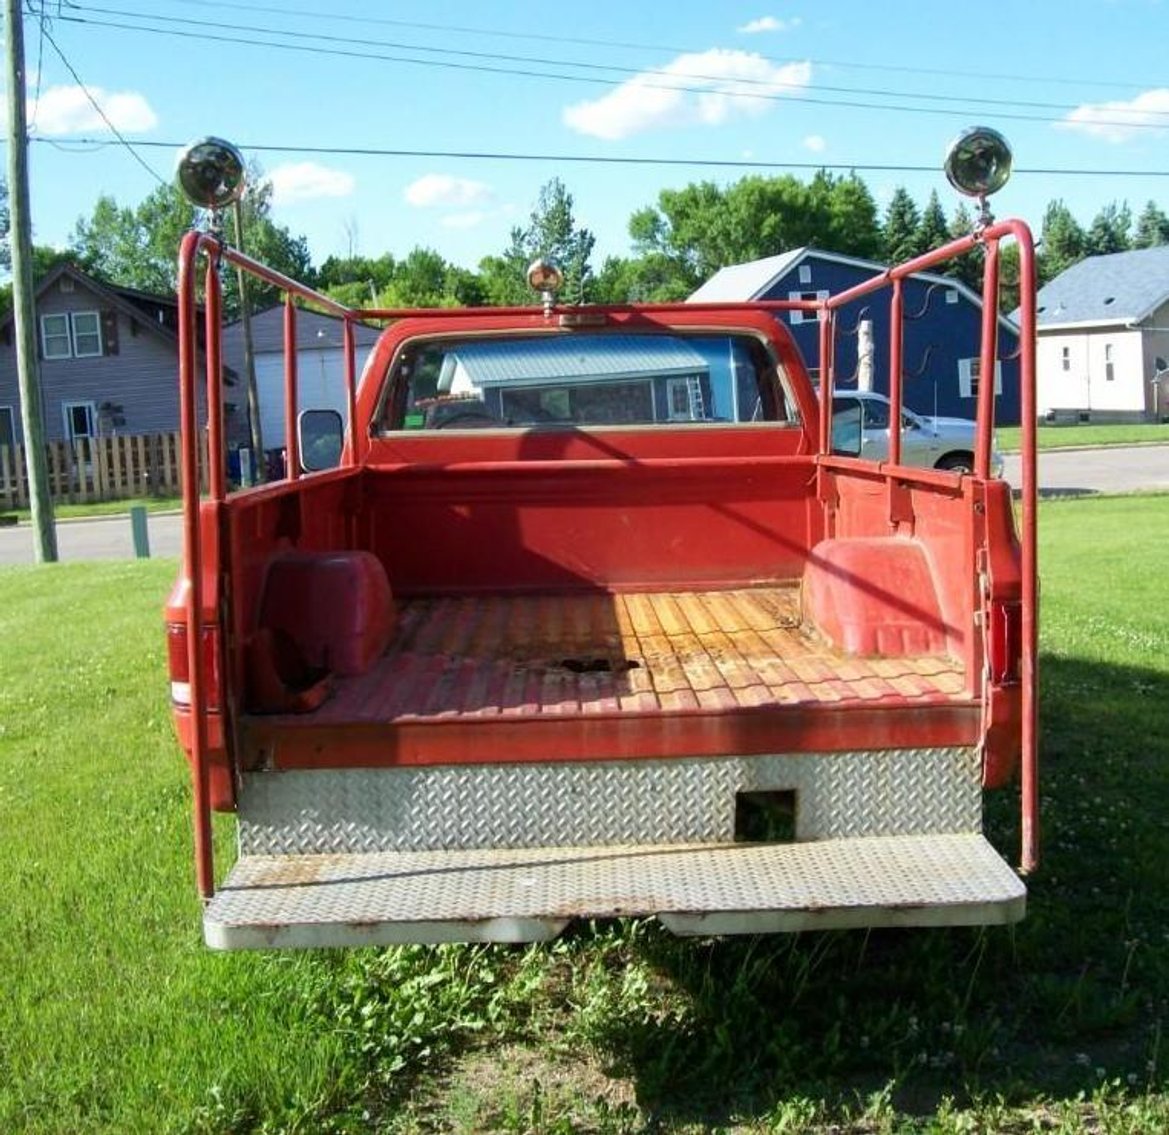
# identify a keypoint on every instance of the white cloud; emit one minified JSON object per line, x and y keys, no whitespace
{"x":440,"y":189}
{"x":306,"y":181}
{"x":815,"y":143}
{"x":768,"y":24}
{"x":1120,"y":121}
{"x":67,"y":110}
{"x":707,"y":88}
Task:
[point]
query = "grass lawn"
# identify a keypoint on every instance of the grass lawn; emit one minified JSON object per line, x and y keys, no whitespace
{"x":102,"y":508}
{"x":115,"y":1018}
{"x":1064,"y":437}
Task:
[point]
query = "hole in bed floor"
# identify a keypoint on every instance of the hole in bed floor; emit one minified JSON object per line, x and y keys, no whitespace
{"x":600,"y":665}
{"x":765,"y":817}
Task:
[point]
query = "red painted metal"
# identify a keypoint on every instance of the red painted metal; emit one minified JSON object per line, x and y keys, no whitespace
{"x":987,"y":361}
{"x":896,"y":370}
{"x":192,"y":561}
{"x":624,"y":479}
{"x":291,"y":441}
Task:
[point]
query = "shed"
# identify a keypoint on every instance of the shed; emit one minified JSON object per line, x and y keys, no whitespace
{"x":320,"y":364}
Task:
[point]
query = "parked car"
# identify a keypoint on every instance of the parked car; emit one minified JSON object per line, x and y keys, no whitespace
{"x":939,"y":443}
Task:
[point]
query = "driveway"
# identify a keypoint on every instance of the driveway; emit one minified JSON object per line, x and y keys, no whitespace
{"x":1062,"y":472}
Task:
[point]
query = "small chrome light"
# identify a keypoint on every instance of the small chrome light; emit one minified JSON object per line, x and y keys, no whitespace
{"x":546,"y":278}
{"x":211,"y":173}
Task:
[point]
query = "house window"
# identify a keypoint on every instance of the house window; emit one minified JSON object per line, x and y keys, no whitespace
{"x":86,"y":326}
{"x":76,"y":335}
{"x":969,"y":372}
{"x":55,"y":341}
{"x":7,"y":428}
{"x":951,"y":295}
{"x":808,"y":297}
{"x":1065,"y":357}
{"x":805,"y":273}
{"x":79,"y":419}
{"x":1109,"y":366}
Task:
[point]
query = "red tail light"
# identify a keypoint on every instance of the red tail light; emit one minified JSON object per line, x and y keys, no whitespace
{"x":178,"y":660}
{"x":1005,"y":642}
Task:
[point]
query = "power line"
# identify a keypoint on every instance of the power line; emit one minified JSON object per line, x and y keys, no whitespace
{"x":738,"y":82}
{"x":302,"y":49}
{"x":600,"y":159}
{"x":97,"y":107}
{"x":657,"y":47}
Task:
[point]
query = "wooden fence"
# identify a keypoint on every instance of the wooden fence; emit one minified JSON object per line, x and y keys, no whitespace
{"x":100,"y":468}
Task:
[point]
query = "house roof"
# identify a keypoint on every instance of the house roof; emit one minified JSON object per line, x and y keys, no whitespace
{"x":536,"y":360}
{"x":753,"y":279}
{"x":315,"y":331}
{"x":1124,"y":287}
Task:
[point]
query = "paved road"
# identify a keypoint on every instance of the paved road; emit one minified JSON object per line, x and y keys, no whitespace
{"x":107,"y":538}
{"x":1123,"y":469}
{"x":1061,"y":472}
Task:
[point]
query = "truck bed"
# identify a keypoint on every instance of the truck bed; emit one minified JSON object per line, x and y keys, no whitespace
{"x":571,"y":661}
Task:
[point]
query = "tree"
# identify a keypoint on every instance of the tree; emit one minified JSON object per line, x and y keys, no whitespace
{"x":696,"y":230}
{"x":1063,"y":241}
{"x":901,"y":228}
{"x":1109,"y":230}
{"x":1152,"y":228}
{"x":5,"y":224}
{"x":932,"y":230}
{"x":551,"y":233}
{"x":968,"y":268}
{"x":138,"y":247}
{"x":425,"y":279}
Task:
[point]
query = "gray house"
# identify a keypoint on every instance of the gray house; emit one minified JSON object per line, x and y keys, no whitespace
{"x":1103,"y":351}
{"x":108,"y":362}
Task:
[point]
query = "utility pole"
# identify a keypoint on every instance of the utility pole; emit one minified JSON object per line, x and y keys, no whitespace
{"x":245,"y":314}
{"x":23,"y":300}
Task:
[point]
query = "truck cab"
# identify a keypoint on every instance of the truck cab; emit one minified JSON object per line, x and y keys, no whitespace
{"x":578,"y":612}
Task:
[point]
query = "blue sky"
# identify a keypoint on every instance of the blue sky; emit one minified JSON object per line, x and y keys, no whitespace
{"x":1077,"y":85}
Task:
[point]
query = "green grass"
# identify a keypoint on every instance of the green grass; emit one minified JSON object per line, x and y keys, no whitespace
{"x":1064,"y":437}
{"x":102,"y":508}
{"x":115,"y":1018}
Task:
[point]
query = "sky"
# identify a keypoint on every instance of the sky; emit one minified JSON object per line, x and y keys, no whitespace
{"x":464,"y":110}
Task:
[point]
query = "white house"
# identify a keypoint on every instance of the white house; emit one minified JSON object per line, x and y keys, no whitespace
{"x":1103,"y":350}
{"x":320,"y":364}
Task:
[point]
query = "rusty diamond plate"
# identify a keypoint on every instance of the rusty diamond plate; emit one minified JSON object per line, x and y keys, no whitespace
{"x":522,"y":895}
{"x":896,"y":792}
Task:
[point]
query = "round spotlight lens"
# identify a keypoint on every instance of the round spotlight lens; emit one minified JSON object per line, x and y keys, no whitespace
{"x":211,"y":173}
{"x":544,"y":276}
{"x":978,"y":162}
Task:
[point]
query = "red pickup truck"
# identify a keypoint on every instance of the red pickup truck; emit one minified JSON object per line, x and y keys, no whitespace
{"x":577,"y":614}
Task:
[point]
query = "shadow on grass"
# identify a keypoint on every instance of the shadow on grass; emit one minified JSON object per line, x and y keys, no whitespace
{"x":1072,"y":998}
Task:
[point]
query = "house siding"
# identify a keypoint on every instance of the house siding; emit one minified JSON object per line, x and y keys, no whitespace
{"x":1084,"y":389}
{"x":938,"y":335}
{"x":1155,"y":363}
{"x":137,"y":386}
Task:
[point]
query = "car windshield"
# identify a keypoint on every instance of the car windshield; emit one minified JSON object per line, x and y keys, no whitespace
{"x":570,"y":380}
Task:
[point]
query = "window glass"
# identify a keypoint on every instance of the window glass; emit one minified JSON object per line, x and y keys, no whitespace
{"x":7,"y":427}
{"x":581,"y":380}
{"x":55,"y":337}
{"x":86,"y":334}
{"x":846,"y":425}
{"x":876,"y":414}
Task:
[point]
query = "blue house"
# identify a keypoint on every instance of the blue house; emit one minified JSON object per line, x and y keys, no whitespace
{"x":943,"y":319}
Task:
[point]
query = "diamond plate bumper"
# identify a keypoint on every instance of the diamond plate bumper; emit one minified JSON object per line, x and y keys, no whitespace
{"x":531,"y":894}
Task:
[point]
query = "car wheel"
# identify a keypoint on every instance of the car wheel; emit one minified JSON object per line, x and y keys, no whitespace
{"x":957,"y":462}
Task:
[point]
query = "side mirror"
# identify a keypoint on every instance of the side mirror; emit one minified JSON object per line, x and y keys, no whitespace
{"x":320,"y":433}
{"x":847,"y":434}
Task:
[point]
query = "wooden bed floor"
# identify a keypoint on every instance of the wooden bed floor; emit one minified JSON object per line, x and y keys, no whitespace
{"x":537,"y":655}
